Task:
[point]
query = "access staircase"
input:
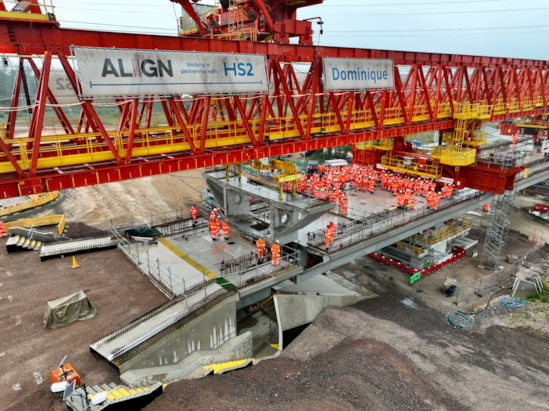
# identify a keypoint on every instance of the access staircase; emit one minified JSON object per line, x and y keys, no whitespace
{"x":112,"y":396}
{"x":22,"y":243}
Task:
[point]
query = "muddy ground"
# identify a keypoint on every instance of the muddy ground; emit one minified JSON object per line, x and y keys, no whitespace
{"x":394,"y":352}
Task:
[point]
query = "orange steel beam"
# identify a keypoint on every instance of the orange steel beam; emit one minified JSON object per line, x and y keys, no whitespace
{"x":292,"y":118}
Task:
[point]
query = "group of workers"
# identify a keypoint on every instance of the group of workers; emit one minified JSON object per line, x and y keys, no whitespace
{"x":332,"y":183}
{"x":215,"y":224}
{"x":215,"y":228}
{"x":275,"y":251}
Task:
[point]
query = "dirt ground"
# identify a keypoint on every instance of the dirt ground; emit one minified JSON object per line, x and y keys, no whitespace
{"x":132,"y":201}
{"x":394,"y":352}
{"x":28,"y":351}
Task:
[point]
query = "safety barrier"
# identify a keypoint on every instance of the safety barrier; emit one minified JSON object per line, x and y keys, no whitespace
{"x":58,"y":220}
{"x":33,"y":201}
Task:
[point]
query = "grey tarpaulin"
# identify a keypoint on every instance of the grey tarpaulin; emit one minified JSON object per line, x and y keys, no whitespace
{"x":68,"y":309}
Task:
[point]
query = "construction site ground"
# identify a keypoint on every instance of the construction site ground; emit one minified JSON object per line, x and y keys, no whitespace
{"x":397,"y":351}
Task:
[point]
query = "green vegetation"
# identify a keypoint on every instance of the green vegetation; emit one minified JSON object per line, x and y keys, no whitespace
{"x":540,"y":298}
{"x":330,"y":153}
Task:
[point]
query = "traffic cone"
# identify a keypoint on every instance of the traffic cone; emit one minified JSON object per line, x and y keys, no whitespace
{"x":74,"y":263}
{"x":2,"y":233}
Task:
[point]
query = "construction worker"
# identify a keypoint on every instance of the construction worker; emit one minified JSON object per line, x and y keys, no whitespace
{"x":217,"y":227}
{"x":225,"y":227}
{"x":329,"y":235}
{"x":214,"y":212}
{"x":212,"y":229}
{"x":194,"y":213}
{"x":332,"y":233}
{"x":260,"y":244}
{"x":343,"y":202}
{"x":275,"y":254}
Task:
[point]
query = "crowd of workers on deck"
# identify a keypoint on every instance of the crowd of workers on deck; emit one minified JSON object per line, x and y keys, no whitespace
{"x":334,"y":184}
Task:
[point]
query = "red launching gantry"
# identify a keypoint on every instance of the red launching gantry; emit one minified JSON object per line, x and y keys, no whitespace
{"x":252,"y":20}
{"x":52,"y":137}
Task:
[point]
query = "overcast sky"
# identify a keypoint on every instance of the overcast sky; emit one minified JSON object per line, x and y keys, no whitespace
{"x":507,"y":28}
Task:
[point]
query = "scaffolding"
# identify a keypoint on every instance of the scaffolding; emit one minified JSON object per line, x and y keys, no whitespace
{"x":497,"y":231}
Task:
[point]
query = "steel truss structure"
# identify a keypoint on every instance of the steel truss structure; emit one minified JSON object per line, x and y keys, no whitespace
{"x":48,"y":150}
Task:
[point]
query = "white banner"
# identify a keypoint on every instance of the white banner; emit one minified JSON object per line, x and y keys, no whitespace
{"x":357,"y":74}
{"x":106,"y":73}
{"x":60,"y":85}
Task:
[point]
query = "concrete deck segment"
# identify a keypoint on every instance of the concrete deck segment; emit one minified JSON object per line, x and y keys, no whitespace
{"x":284,"y":216}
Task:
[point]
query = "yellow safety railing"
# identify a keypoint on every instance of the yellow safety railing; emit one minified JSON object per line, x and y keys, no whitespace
{"x":416,"y":250}
{"x":286,"y":166}
{"x":453,"y":157}
{"x":411,"y":165}
{"x":21,"y":10}
{"x":385,"y":144}
{"x":467,"y":111}
{"x":476,"y":138}
{"x":448,"y":230}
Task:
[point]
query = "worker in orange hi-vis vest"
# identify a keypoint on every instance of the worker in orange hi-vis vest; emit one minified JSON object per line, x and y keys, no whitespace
{"x":213,"y":114}
{"x":394,"y":187}
{"x":260,"y":244}
{"x":371,"y":185}
{"x":329,"y":235}
{"x":332,"y":234}
{"x":436,"y":199}
{"x":213,"y":214}
{"x":212,"y":226}
{"x":217,"y":227}
{"x":275,"y":254}
{"x":327,"y":238}
{"x":344,"y":205}
{"x":194,"y":213}
{"x":225,"y":227}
